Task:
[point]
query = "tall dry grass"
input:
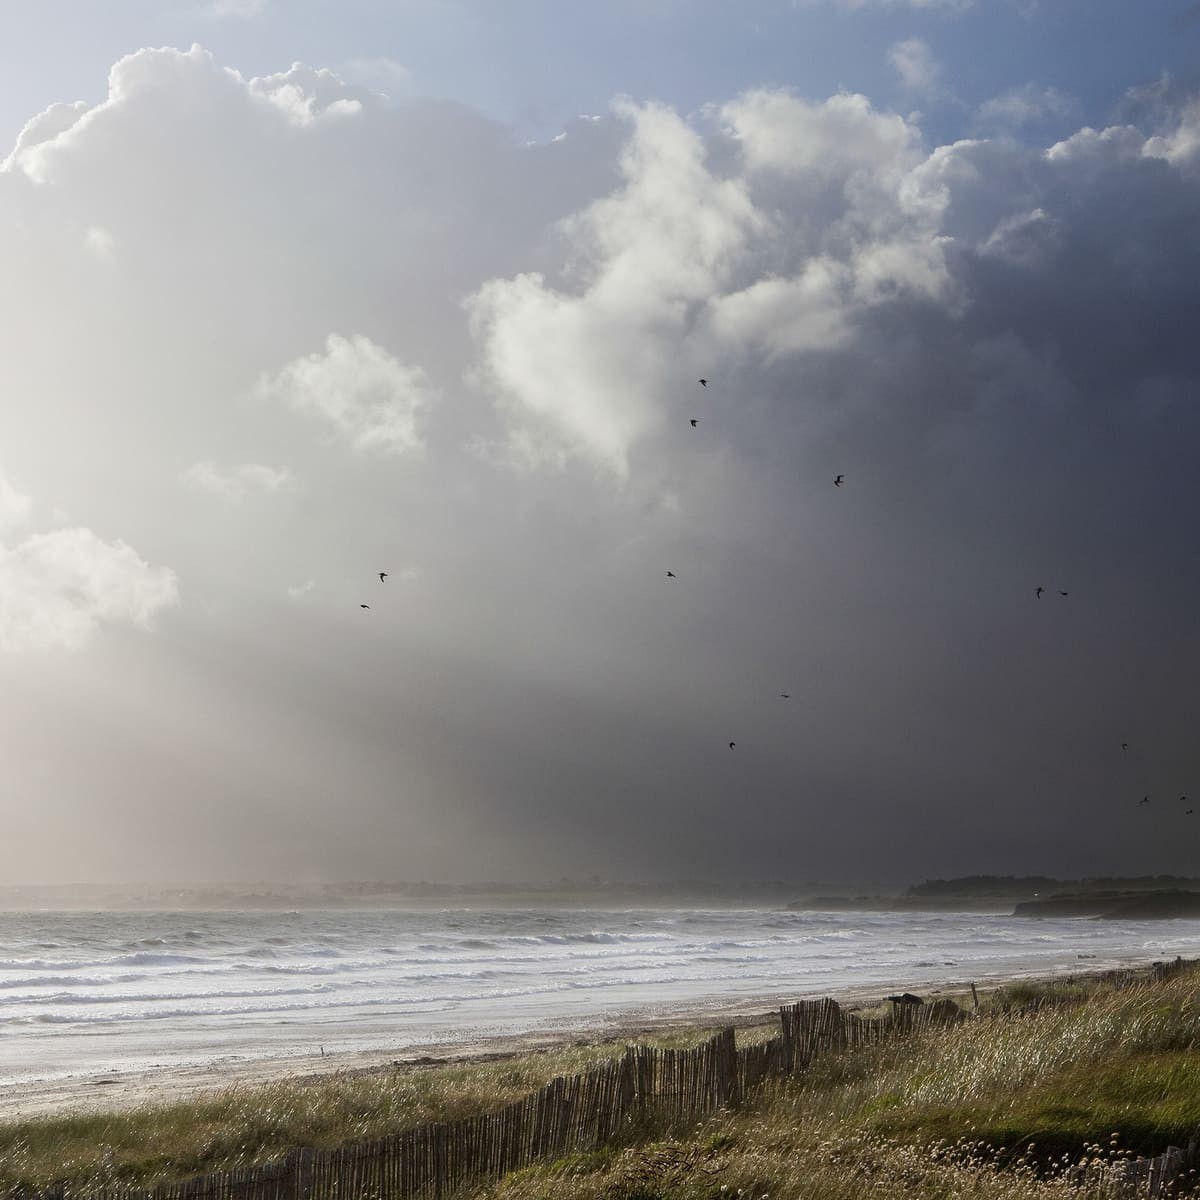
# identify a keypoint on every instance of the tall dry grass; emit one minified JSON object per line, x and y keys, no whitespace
{"x":238,"y":1126}
{"x":1011,"y":1106}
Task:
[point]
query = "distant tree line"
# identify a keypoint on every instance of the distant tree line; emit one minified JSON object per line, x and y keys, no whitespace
{"x":1024,"y":885}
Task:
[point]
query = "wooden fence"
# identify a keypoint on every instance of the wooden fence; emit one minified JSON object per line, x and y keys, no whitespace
{"x":1138,"y":1178}
{"x":647,"y":1090}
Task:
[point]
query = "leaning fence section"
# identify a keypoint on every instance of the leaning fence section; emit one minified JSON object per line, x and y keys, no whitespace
{"x":649,"y":1089}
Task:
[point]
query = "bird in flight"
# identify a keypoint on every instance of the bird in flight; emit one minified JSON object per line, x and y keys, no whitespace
{"x":786,"y":695}
{"x":1064,"y":593}
{"x":1124,"y":745}
{"x":672,"y":575}
{"x":1189,"y":812}
{"x":838,"y":480}
{"x":364,"y":606}
{"x":694,"y":422}
{"x":1144,"y":800}
{"x":382,"y":576}
{"x":703,"y":382}
{"x":1037,"y":591}
{"x":1182,"y":799}
{"x":732,"y":744}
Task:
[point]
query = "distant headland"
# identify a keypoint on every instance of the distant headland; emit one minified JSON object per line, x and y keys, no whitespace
{"x":1134,"y":898}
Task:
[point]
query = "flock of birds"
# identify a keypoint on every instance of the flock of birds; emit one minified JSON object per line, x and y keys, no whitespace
{"x":838,"y":480}
{"x":1146,"y":799}
{"x":382,"y":576}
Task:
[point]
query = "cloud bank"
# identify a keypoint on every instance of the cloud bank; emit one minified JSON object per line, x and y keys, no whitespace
{"x":481,"y":360}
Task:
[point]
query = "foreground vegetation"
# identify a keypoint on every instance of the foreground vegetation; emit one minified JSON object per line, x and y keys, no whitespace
{"x":994,"y":1107}
{"x":1007,"y":1107}
{"x":253,"y":1124}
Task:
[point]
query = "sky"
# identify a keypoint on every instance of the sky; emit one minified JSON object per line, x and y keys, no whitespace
{"x":292,"y":294}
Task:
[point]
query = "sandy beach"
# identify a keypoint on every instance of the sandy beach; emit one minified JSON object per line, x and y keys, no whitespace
{"x":128,"y":1089}
{"x":113,"y":1090}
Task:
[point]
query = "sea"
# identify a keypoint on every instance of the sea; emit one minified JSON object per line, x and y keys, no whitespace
{"x":87,"y":992}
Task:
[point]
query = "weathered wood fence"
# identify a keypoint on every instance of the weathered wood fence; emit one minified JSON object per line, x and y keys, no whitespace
{"x":647,"y":1090}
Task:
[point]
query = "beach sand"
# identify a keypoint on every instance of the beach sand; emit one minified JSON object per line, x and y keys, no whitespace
{"x":113,"y":1090}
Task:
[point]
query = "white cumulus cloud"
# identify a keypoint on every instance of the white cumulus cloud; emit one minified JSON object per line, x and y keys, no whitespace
{"x":1025,"y":105}
{"x":235,"y":483}
{"x":682,"y":261}
{"x":305,"y":95}
{"x":833,"y":139}
{"x":585,"y":370}
{"x":374,"y":401}
{"x":57,"y":588}
{"x":915,"y":63}
{"x":39,"y":131}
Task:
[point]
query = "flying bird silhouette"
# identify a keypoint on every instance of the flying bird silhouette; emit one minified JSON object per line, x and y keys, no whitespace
{"x":1144,"y":800}
{"x":672,"y":575}
{"x":786,"y":695}
{"x":1064,"y":593}
{"x":694,"y":422}
{"x":732,"y":744}
{"x":703,"y":382}
{"x":364,"y":606}
{"x":1037,"y":591}
{"x":382,"y":576}
{"x":1124,"y":745}
{"x":838,"y":480}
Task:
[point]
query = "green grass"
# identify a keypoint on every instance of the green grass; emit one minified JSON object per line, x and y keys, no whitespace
{"x":1147,"y":1100}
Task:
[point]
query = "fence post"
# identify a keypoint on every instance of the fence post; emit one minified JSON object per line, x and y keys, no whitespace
{"x":727,"y":1069}
{"x":303,"y":1176}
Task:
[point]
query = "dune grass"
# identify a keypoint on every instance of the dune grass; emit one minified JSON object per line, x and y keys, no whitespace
{"x":242,"y":1125}
{"x":252,"y":1124}
{"x":1005,"y":1107}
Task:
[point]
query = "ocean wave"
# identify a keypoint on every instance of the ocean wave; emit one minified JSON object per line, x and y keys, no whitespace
{"x":161,"y":1012}
{"x":101,"y":990}
{"x":160,"y":997}
{"x":146,"y":959}
{"x":66,"y":981}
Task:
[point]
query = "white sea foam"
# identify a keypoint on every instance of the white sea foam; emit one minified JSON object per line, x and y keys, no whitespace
{"x":99,"y":991}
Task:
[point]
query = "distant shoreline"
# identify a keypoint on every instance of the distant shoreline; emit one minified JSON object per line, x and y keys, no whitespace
{"x":972,"y":893}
